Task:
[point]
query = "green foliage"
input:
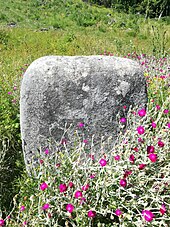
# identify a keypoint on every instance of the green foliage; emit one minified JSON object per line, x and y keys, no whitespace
{"x":151,"y":8}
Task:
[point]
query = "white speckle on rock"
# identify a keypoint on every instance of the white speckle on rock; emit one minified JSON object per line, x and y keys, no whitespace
{"x":124,"y":87}
{"x":85,"y":87}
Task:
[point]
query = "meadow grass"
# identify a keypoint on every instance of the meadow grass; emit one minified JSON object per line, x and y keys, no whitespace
{"x":74,"y":28}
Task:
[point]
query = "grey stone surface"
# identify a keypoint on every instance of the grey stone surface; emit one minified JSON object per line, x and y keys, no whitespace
{"x":91,"y":89}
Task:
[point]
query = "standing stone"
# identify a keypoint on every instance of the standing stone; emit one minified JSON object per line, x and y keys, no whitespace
{"x":58,"y":91}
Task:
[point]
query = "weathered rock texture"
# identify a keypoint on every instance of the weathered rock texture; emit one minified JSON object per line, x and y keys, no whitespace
{"x":91,"y":89}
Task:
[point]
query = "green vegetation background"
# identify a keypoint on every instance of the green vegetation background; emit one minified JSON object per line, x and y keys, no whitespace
{"x":35,"y":28}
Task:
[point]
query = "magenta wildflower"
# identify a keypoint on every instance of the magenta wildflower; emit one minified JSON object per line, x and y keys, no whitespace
{"x":118,"y":212}
{"x":161,"y":143}
{"x":63,"y":141}
{"x":132,"y":158}
{"x":85,"y":187}
{"x":22,"y":208}
{"x":9,"y":92}
{"x":58,"y":165}
{"x":148,"y":215}
{"x":43,"y":186}
{"x":2,"y":222}
{"x":140,"y":130}
{"x":123,"y":120}
{"x":62,"y":187}
{"x":71,"y":185}
{"x":162,"y":209}
{"x":45,"y":206}
{"x":153,"y":125}
{"x":150,"y":149}
{"x":123,"y":183}
{"x":117,"y":157}
{"x":25,"y":223}
{"x":127,"y":173}
{"x":41,"y":161}
{"x":91,"y":214}
{"x":142,"y":112}
{"x":15,"y":88}
{"x":46,"y":151}
{"x":166,"y":111}
{"x":168,"y":125}
{"x":140,"y":140}
{"x":103,"y":162}
{"x":80,"y":125}
{"x":14,"y":101}
{"x":153,"y":157}
{"x":136,"y":149}
{"x":78,"y":194}
{"x":91,"y":156}
{"x":69,"y":208}
{"x":92,"y":176}
{"x":82,"y":200}
{"x":85,"y":141}
{"x":142,"y":166}
{"x":158,"y":107}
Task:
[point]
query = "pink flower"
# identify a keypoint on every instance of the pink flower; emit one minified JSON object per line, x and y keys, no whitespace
{"x":142,"y":112}
{"x":132,"y":158}
{"x":168,"y":125}
{"x":117,"y":157}
{"x":78,"y":194}
{"x":82,"y":200}
{"x":71,"y":185}
{"x":123,"y":183}
{"x":85,"y":187}
{"x":160,"y":143}
{"x":140,"y":140}
{"x":43,"y":186}
{"x":123,"y":120}
{"x":124,"y":107}
{"x":118,"y":212}
{"x":153,"y":125}
{"x":148,"y":215}
{"x":158,"y":107}
{"x":166,"y":111}
{"x":85,"y":141}
{"x":127,"y":173}
{"x":92,"y":176}
{"x":142,"y":166}
{"x":80,"y":125}
{"x":41,"y":161}
{"x":103,"y":162}
{"x":140,"y":130}
{"x":150,"y":149}
{"x":69,"y":208}
{"x":2,"y":222}
{"x":46,"y":151}
{"x":91,"y":156}
{"x":25,"y":223}
{"x":45,"y":206}
{"x":63,"y":141}
{"x":91,"y":214}
{"x":62,"y":187}
{"x":15,"y":88}
{"x":9,"y":92}
{"x":22,"y":208}
{"x":136,"y":149}
{"x":152,"y":157}
{"x":162,"y":209}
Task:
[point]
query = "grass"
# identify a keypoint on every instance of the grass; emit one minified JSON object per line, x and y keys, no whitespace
{"x":75,"y":28}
